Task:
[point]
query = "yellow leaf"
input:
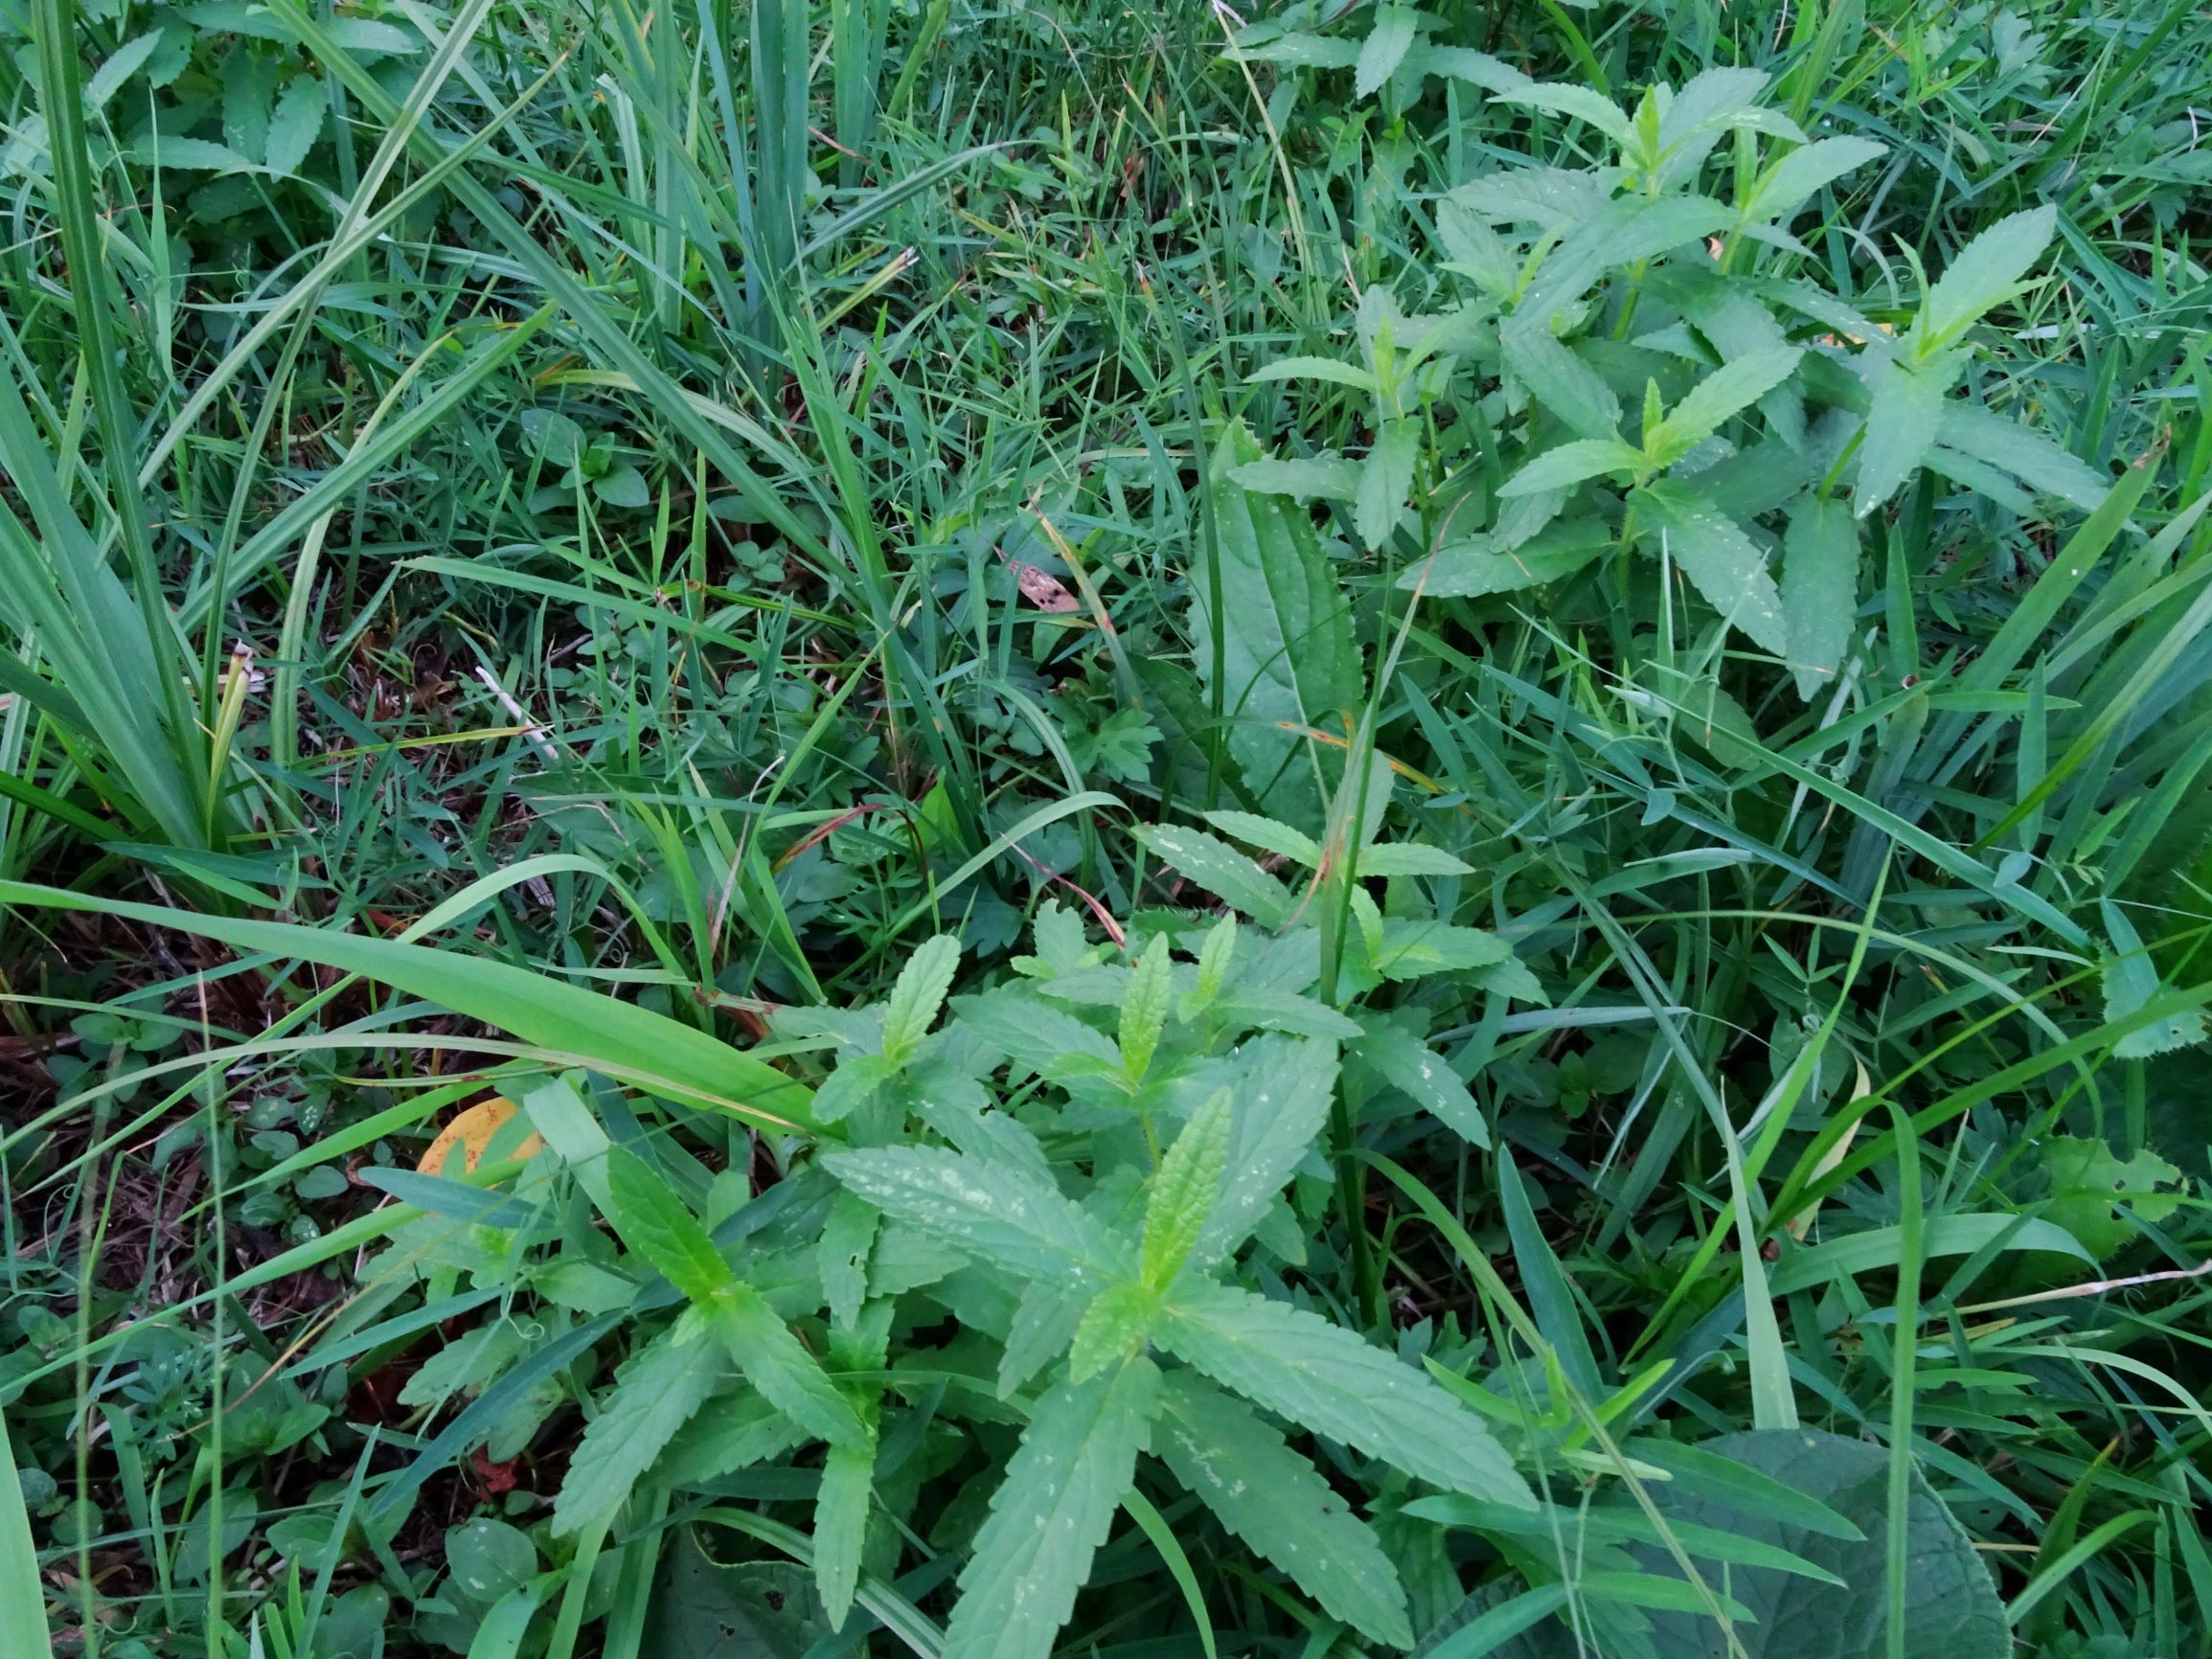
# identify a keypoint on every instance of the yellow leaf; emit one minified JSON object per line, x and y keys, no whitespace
{"x":472,"y":1129}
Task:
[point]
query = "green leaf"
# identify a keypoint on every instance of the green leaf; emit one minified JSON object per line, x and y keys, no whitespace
{"x":1789,"y":183}
{"x":249,"y":90}
{"x":1032,"y":1032}
{"x":1421,"y":1075}
{"x":1384,"y":48}
{"x":1215,"y":958}
{"x":985,"y":1210}
{"x":1573,"y":462}
{"x":2130,"y":982}
{"x":852,"y":1086}
{"x":1385,"y":477}
{"x":1410,"y":859}
{"x":777,"y":1364}
{"x":841,"y":1506}
{"x":1559,"y":379}
{"x":620,"y":1038}
{"x":1050,"y":1514}
{"x":296,"y":125}
{"x":1579,"y":101}
{"x":1266,"y":833}
{"x":1281,"y":1097}
{"x":1716,"y":400}
{"x":2025,"y":453}
{"x":162,"y":150}
{"x":1902,"y":422}
{"x":1309,"y":1372}
{"x":841,"y":1255}
{"x":1114,"y":1328}
{"x":2089,"y":1184}
{"x":654,"y":1222}
{"x":22,"y":1597}
{"x":1987,"y":272}
{"x":1412,"y":948}
{"x":1819,"y":591}
{"x":1314,"y":369}
{"x":656,"y":1392}
{"x":1722,"y":562}
{"x":918,"y":995}
{"x":120,"y":64}
{"x":1220,"y":868}
{"x":1303,"y":51}
{"x":1952,"y":1607}
{"x":1145,"y":1008}
{"x":1330,"y":477}
{"x":1183,"y":1190}
{"x":1479,"y":565}
{"x":1278,"y":1505}
{"x":622,"y":486}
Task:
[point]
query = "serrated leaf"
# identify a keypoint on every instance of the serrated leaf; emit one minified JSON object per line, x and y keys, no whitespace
{"x":1819,"y":591}
{"x":1050,"y":1514}
{"x":1787,"y":185}
{"x":196,"y":155}
{"x":917,"y":994}
{"x":1113,"y":1329}
{"x":653,"y":1221}
{"x":841,"y":1505}
{"x":1410,"y":947}
{"x":1384,"y":48}
{"x":841,"y":1255}
{"x":1328,"y":477}
{"x":1279,"y":1099}
{"x":1901,"y":421}
{"x":654,"y":1394}
{"x":1716,"y":400}
{"x":852,"y":1086}
{"x":1326,"y":369}
{"x":1722,"y":562}
{"x":2130,"y":982}
{"x":1571,"y":463}
{"x":1215,"y":957}
{"x":2087,"y":1181}
{"x":1423,"y":1076}
{"x":1987,"y":271}
{"x":1145,"y":1007}
{"x":1241,"y":1468}
{"x":777,"y":1363}
{"x":1385,"y":477}
{"x":1465,"y":63}
{"x":120,"y":64}
{"x":249,"y":92}
{"x":985,"y":1210}
{"x":1303,"y":51}
{"x":1579,"y":102}
{"x":1269,"y":834}
{"x":1221,"y":869}
{"x":1326,"y":1380}
{"x":1410,"y":859}
{"x":1559,"y":380}
{"x":1480,"y":566}
{"x":1028,"y":1029}
{"x":730,"y":1432}
{"x":296,"y":125}
{"x":2029,"y":456}
{"x":1183,"y":1190}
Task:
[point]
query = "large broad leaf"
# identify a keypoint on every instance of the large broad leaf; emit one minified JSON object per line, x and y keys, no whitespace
{"x":625,"y":1041}
{"x":1278,"y":1504}
{"x":1051,"y":1512}
{"x":1326,"y":1379}
{"x":1819,"y":592}
{"x":1287,"y":659}
{"x":1952,"y":1607}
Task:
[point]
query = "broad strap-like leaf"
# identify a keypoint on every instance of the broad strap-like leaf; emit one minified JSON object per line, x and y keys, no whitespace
{"x":1276,"y":1502}
{"x":986,"y":1210}
{"x":1051,"y":1512}
{"x":1221,"y":869}
{"x":656,"y":1392}
{"x":1571,"y":463}
{"x":1723,"y":562}
{"x":1819,"y":591}
{"x":1280,"y":1098}
{"x":1329,"y":1380}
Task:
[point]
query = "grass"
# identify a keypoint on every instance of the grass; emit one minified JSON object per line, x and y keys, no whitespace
{"x":550,"y":552}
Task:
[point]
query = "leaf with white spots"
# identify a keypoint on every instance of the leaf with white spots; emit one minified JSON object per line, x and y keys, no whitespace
{"x":1279,"y":1099}
{"x":985,"y":1210}
{"x":1277,"y":1502}
{"x":1051,"y":1514}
